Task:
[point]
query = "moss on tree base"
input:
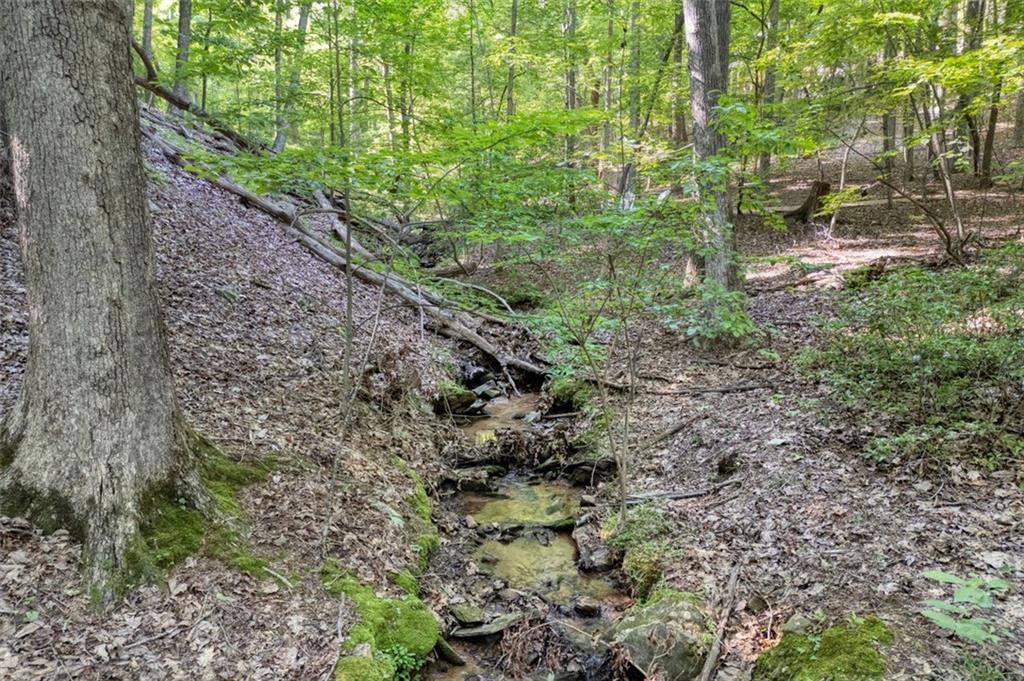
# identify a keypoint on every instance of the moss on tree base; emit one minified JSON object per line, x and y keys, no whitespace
{"x":845,"y":652}
{"x":174,"y":527}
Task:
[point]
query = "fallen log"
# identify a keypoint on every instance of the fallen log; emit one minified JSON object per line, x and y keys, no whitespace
{"x":150,"y":83}
{"x":433,"y":306}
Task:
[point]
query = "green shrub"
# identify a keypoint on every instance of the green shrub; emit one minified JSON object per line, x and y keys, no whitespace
{"x":938,"y":354}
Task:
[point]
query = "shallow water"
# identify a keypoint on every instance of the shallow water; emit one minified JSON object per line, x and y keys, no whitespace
{"x":546,"y":567}
{"x":544,"y":504}
{"x":502,"y":413}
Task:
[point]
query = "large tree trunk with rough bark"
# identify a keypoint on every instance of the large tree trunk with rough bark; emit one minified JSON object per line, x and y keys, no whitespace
{"x":96,"y":427}
{"x":707,"y":42}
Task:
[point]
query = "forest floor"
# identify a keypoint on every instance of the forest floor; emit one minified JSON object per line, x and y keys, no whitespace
{"x":255,"y":344}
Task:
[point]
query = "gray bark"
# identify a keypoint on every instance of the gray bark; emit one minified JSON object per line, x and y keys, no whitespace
{"x":96,"y":426}
{"x":284,"y":121}
{"x":1018,"y":122}
{"x":678,"y":100}
{"x":510,"y":101}
{"x":707,"y":42}
{"x":184,"y":43}
{"x":764,"y":161}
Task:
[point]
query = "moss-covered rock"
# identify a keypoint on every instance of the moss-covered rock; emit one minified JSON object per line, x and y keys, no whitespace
{"x":453,"y":398}
{"x":844,"y":652}
{"x":362,"y":668}
{"x":669,"y":637}
{"x":569,"y":392}
{"x":399,"y":631}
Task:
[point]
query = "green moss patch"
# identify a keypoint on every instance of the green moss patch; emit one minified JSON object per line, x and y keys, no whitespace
{"x":362,"y":668}
{"x":173,"y":528}
{"x":569,"y":392}
{"x":427,"y":537}
{"x":844,"y":652}
{"x":400,"y":632}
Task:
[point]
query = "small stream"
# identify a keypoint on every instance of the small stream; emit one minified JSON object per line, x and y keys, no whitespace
{"x":521,"y":561}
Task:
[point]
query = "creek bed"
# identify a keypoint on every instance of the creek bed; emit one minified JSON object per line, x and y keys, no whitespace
{"x":514,"y":561}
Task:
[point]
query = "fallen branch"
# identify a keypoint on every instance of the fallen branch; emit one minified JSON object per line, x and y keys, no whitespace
{"x":635,"y":499}
{"x":703,"y":391}
{"x":711,"y":662}
{"x":432,"y":305}
{"x":150,"y":82}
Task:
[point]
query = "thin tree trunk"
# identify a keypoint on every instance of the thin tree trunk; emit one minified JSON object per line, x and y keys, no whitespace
{"x":147,"y":36}
{"x":1018,"y":122}
{"x":294,"y":80}
{"x":206,"y":52}
{"x":679,"y":138}
{"x":96,"y":427}
{"x":510,"y":100}
{"x":707,"y":42}
{"x":184,"y":42}
{"x":888,"y":130}
{"x":634,"y":67}
{"x":472,"y":63}
{"x":279,"y":11}
{"x":990,"y":137}
{"x":908,"y":146}
{"x":606,"y":135}
{"x":570,"y":70}
{"x":353,"y":78}
{"x":764,"y":161}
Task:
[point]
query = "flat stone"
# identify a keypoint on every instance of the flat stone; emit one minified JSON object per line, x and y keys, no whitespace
{"x":495,"y":626}
{"x":587,"y":607}
{"x":467,"y":614}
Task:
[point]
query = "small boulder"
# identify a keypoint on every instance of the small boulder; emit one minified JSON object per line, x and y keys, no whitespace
{"x":595,"y":555}
{"x":669,"y":638}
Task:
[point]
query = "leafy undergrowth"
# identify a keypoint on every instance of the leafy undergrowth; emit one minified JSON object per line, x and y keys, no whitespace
{"x":939,"y":356}
{"x":844,"y":652}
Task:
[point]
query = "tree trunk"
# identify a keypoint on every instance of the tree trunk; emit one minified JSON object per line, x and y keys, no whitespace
{"x":764,"y":161}
{"x":606,"y":132}
{"x":888,"y":130}
{"x":96,"y":427}
{"x":990,"y":137}
{"x":1018,"y":122}
{"x":353,"y":79}
{"x":510,"y":101}
{"x":707,"y":42}
{"x":908,"y":148}
{"x":570,"y":70}
{"x":147,"y":35}
{"x":284,"y":122}
{"x":678,"y":100}
{"x":184,"y":42}
{"x":472,"y":64}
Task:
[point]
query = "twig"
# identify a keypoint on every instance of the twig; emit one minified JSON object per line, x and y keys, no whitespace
{"x":635,"y":499}
{"x":723,"y":622}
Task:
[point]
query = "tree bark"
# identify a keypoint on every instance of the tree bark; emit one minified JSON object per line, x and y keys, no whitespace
{"x":96,"y":426}
{"x":678,"y":100}
{"x":284,"y":121}
{"x":510,"y":101}
{"x":985,"y":174}
{"x":184,"y":42}
{"x":707,"y":42}
{"x":764,"y":161}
